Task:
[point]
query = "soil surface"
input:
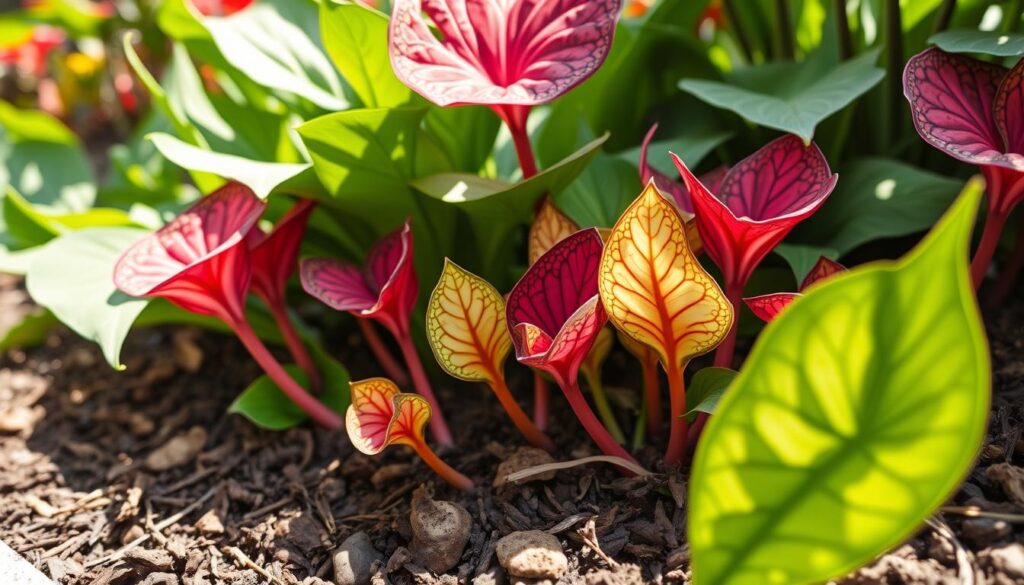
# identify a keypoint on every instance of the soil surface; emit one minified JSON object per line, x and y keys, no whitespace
{"x":140,"y":477}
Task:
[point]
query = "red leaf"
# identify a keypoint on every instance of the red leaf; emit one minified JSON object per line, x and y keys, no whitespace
{"x":554,"y":313}
{"x":822,"y":269}
{"x":275,"y":255}
{"x":767,"y":307}
{"x":759,"y":201}
{"x":198,"y":260}
{"x":1009,"y":110}
{"x":513,"y":52}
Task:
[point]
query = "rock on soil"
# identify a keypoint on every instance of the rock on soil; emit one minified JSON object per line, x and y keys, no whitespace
{"x":353,"y":561}
{"x":532,"y":554}
{"x":523,"y":458}
{"x":178,"y":451}
{"x":440,"y":531}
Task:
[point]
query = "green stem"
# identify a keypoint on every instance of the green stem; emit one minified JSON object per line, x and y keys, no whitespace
{"x":784,"y":26}
{"x":641,"y":426}
{"x":604,"y":408}
{"x":843,"y":30}
{"x":944,"y":16}
{"x":737,"y":27}
{"x":894,"y":67}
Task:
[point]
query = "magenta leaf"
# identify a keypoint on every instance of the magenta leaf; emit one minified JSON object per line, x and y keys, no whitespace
{"x":199,"y":260}
{"x":680,"y":194}
{"x":385,"y":290}
{"x":822,"y":269}
{"x":275,"y":255}
{"x":512,"y":52}
{"x":553,"y":312}
{"x":1009,"y":110}
{"x":767,"y":307}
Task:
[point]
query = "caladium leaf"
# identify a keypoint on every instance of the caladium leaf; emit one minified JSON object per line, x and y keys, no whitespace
{"x":816,"y":427}
{"x":767,"y":307}
{"x":548,"y":228}
{"x":380,"y":415}
{"x":680,"y":194}
{"x":657,"y":293}
{"x":384,"y":290}
{"x":515,"y":52}
{"x":759,"y":201}
{"x":198,"y":261}
{"x":468,"y":335}
{"x":987,"y":42}
{"x":274,"y":255}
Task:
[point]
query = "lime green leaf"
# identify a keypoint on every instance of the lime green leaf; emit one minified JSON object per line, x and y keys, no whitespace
{"x":276,"y":43}
{"x":792,"y":97}
{"x":261,"y":177}
{"x":877,"y":198}
{"x":85,"y":298}
{"x":706,"y":389}
{"x":995,"y":43}
{"x":267,"y":407}
{"x":356,"y":38}
{"x":823,"y":453}
{"x":466,"y":134}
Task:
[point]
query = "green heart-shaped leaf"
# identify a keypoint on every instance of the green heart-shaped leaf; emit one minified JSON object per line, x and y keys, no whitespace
{"x":792,"y":97}
{"x":985,"y":42}
{"x":705,"y":390}
{"x":267,"y":407}
{"x":858,"y":412}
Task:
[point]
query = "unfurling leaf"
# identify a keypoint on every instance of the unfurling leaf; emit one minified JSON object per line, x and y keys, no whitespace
{"x":656,"y":292}
{"x":467,"y":332}
{"x":767,"y":307}
{"x":838,"y":416}
{"x":706,"y":388}
{"x":381,"y":415}
{"x":548,"y":228}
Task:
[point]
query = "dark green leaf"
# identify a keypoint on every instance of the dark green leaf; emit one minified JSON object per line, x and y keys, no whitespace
{"x":985,"y":42}
{"x":706,"y":389}
{"x":267,"y":407}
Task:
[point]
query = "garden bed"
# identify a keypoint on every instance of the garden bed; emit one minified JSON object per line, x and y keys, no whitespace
{"x":85,"y":498}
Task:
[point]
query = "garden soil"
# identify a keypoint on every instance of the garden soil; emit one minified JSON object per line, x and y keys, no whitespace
{"x":140,"y":476}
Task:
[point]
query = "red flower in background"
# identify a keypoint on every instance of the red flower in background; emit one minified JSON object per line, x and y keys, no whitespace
{"x":220,"y":7}
{"x":759,"y":201}
{"x":554,"y":315}
{"x":29,"y":53}
{"x":200,"y":261}
{"x":973,"y":111}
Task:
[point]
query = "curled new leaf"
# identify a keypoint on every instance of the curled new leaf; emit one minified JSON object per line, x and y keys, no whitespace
{"x":467,"y":332}
{"x":380,"y":415}
{"x":657,"y":293}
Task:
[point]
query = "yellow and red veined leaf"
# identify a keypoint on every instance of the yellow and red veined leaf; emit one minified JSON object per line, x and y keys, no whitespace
{"x":199,"y":260}
{"x":767,"y":307}
{"x":514,"y":52}
{"x":381,"y":415}
{"x":656,"y":292}
{"x":654,"y":289}
{"x":466,"y":326}
{"x":548,"y":228}
{"x":759,"y":201}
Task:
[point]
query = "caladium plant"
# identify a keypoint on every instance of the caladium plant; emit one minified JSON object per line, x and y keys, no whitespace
{"x":759,"y":201}
{"x":510,"y":56}
{"x":200,"y":261}
{"x":381,"y":415}
{"x":648,"y":359}
{"x":467,"y":332}
{"x":767,"y":307}
{"x":554,"y":315}
{"x":274,"y":256}
{"x":657,"y":293}
{"x":385,"y":291}
{"x":973,"y":111}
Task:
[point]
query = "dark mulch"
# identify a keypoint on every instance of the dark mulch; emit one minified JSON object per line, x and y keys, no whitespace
{"x":84,"y":496}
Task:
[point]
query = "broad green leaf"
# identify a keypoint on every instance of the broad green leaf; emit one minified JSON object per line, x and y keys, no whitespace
{"x":44,"y":161}
{"x":356,"y":38}
{"x":267,"y":407}
{"x":995,"y":43}
{"x":877,"y":198}
{"x":261,"y":177}
{"x":276,"y":43}
{"x":15,"y":29}
{"x":466,"y":134}
{"x":705,"y":390}
{"x":792,"y":97}
{"x":802,"y":257}
{"x":692,"y":146}
{"x":85,"y":298}
{"x":859,"y":411}
{"x":80,"y":18}
{"x":601,"y":193}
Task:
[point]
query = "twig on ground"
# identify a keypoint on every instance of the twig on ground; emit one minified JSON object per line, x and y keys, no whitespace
{"x":248,"y":563}
{"x":546,"y":467}
{"x":589,"y":535}
{"x":964,"y":565}
{"x":975,"y":512}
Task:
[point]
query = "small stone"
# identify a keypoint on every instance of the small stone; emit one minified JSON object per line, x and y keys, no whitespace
{"x":353,"y":561}
{"x":151,"y":560}
{"x":1008,"y":560}
{"x":440,"y":531}
{"x":178,"y":451}
{"x":532,"y":554}
{"x":210,"y":523}
{"x":984,"y":531}
{"x":524,"y":458}
{"x":1010,"y":478}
